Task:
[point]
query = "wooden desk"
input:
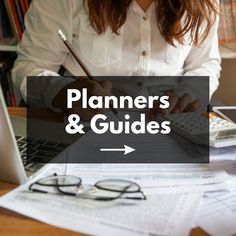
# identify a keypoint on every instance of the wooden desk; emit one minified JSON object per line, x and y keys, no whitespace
{"x":12,"y":224}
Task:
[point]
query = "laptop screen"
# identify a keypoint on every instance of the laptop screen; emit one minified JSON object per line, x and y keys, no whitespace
{"x":230,"y":113}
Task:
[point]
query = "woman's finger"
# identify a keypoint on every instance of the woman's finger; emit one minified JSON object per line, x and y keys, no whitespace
{"x":152,"y":113}
{"x":107,"y":85}
{"x":85,"y":114}
{"x":173,"y":102}
{"x":194,"y":106}
{"x":95,"y":88}
{"x":184,"y":101}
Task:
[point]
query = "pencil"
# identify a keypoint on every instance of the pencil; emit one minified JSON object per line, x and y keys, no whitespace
{"x":79,"y":61}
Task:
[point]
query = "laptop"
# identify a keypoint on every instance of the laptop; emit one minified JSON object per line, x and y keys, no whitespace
{"x":227,"y":112}
{"x":21,"y":156}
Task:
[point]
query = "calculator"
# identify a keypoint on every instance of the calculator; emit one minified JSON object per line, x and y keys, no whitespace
{"x":203,"y":128}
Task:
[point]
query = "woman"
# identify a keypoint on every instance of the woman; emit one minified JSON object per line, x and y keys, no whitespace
{"x":128,"y":37}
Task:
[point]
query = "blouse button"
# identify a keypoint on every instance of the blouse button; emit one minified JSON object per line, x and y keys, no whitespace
{"x":144,"y":53}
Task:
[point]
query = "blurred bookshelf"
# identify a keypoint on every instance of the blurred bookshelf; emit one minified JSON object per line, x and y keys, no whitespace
{"x":227,"y":29}
{"x":12,"y":13}
{"x":7,"y":48}
{"x":8,"y":45}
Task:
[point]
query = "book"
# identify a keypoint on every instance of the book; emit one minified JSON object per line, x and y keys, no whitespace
{"x":16,"y":10}
{"x":6,"y":63}
{"x":26,"y":3}
{"x":12,"y":18}
{"x":4,"y":84}
{"x":20,"y":14}
{"x":23,"y":7}
{"x":5,"y":27}
{"x":12,"y":96}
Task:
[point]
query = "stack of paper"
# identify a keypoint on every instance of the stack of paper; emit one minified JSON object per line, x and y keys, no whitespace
{"x":159,"y":215}
{"x":173,"y":194}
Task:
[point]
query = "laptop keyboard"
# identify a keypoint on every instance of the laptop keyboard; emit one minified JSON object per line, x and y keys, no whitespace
{"x":35,"y":153}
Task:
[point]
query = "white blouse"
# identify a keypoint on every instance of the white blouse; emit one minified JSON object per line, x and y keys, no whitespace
{"x":140,"y":49}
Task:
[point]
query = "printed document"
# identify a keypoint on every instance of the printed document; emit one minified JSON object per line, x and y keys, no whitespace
{"x":217,"y":213}
{"x":171,"y":214}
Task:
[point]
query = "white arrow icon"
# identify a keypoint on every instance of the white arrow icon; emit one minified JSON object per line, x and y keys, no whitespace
{"x":126,"y":149}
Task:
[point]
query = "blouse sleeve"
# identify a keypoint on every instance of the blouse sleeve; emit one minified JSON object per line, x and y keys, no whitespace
{"x":41,"y":52}
{"x":205,"y":60}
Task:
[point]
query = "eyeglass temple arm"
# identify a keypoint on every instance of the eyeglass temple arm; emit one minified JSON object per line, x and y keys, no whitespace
{"x":137,"y":198}
{"x":36,"y":190}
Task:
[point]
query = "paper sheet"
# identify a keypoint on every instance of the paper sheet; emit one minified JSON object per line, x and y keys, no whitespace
{"x":170,"y":214}
{"x":165,"y":214}
{"x":154,"y":178}
{"x":217,"y":213}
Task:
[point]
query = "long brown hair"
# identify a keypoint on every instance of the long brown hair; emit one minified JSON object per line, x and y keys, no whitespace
{"x":175,"y":18}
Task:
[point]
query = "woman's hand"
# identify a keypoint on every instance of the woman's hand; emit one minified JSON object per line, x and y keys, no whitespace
{"x":95,"y":88}
{"x":178,"y":104}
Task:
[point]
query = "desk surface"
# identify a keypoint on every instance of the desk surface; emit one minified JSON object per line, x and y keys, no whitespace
{"x":14,"y":224}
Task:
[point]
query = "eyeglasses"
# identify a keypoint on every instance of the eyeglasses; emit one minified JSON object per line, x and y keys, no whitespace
{"x":104,"y":190}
